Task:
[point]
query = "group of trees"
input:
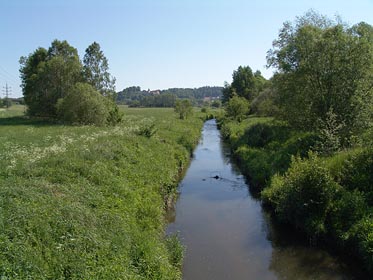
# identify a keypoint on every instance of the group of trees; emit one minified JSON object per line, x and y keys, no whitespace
{"x":323,"y":80}
{"x":244,"y":89}
{"x":313,"y":161}
{"x":136,"y":97}
{"x":324,"y":71}
{"x":57,"y":85}
{"x":161,"y":100}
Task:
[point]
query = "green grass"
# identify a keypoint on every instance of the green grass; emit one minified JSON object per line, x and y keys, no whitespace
{"x":12,"y":111}
{"x":85,"y":202}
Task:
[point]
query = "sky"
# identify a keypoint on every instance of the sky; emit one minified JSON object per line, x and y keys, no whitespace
{"x":159,"y":44}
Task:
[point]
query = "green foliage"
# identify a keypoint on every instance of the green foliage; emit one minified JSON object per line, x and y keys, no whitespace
{"x":264,"y":147}
{"x":324,"y":66}
{"x":176,"y":250}
{"x":264,"y":104}
{"x":363,"y":239}
{"x":96,"y":70}
{"x":330,"y":140}
{"x":356,"y":173}
{"x":245,"y":84}
{"x":88,"y":202}
{"x":83,"y":105}
{"x":237,"y":108}
{"x":147,"y":129}
{"x":48,"y":75}
{"x":183,"y":108}
{"x":55,"y":75}
{"x":135,"y":96}
{"x":304,"y":196}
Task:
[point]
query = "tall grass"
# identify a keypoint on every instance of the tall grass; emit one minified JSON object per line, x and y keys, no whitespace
{"x":87,"y":202}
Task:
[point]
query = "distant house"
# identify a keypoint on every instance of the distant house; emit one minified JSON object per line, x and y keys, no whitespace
{"x":154,"y":92}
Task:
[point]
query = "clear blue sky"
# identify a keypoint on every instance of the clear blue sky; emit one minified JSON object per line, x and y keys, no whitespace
{"x":159,"y":44}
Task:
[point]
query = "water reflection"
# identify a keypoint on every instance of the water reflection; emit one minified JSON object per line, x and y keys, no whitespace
{"x":228,"y":234}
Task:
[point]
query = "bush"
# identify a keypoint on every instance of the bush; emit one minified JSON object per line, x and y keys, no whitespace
{"x":237,"y":108}
{"x":303,"y":197}
{"x":363,"y":238}
{"x":85,"y":105}
{"x":256,"y":163}
{"x":357,"y":173}
{"x":147,"y":129}
{"x":183,"y":108}
{"x":348,"y":209}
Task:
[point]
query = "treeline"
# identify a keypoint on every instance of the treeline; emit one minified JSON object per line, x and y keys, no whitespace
{"x":7,"y":102}
{"x":305,"y":136}
{"x":136,"y":97}
{"x":57,"y":85}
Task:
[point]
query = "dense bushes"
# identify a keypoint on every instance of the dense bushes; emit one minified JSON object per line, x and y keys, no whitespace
{"x":303,"y":196}
{"x":328,"y":197}
{"x":85,"y":105}
{"x":264,"y":147}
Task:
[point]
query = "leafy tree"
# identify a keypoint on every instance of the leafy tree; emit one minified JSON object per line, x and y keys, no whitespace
{"x":264,"y":103}
{"x":183,"y":108}
{"x":324,"y":66}
{"x":237,"y":108}
{"x":48,"y":75}
{"x":244,"y":84}
{"x":96,"y":70}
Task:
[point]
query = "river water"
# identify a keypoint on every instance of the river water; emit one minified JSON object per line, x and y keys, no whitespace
{"x":227,"y":233}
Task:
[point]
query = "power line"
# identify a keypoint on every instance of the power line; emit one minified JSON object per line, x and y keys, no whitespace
{"x":8,"y":74}
{"x":7,"y":89}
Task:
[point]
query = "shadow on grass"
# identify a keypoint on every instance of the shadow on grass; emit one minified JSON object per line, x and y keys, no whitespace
{"x":21,"y":120}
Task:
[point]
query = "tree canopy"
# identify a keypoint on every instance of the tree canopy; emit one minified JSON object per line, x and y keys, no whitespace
{"x":323,"y":66}
{"x":245,"y":84}
{"x":50,"y":76}
{"x":96,"y":70}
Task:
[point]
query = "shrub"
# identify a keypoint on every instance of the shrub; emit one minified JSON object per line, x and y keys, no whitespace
{"x":147,"y":129}
{"x":348,"y":208}
{"x":303,"y":196}
{"x":357,"y":173}
{"x":363,"y":238}
{"x":183,"y":108}
{"x":84,"y":105}
{"x":237,"y":108}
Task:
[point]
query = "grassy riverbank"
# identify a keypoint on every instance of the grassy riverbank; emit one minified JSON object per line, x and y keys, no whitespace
{"x":329,"y":198}
{"x":83,"y":202}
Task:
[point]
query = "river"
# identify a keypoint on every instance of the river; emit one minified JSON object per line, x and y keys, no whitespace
{"x":227,"y":233}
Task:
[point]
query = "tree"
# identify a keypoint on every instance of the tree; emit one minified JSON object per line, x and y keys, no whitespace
{"x":48,"y":75}
{"x":96,"y":70}
{"x":183,"y":108}
{"x":237,"y":108}
{"x":244,"y":84}
{"x":323,"y":66}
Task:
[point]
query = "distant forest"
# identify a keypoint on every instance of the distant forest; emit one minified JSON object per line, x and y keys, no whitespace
{"x":136,"y":97}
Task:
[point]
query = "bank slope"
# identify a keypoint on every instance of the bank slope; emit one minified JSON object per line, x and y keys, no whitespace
{"x":88,"y":202}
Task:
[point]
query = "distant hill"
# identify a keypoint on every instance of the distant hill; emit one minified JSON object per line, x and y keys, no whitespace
{"x":135,"y":96}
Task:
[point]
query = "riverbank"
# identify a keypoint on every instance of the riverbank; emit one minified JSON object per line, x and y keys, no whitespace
{"x":328,"y":198}
{"x":89,"y":202}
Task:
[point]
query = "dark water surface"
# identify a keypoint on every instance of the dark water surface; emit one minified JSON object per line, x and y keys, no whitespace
{"x":227,"y":233}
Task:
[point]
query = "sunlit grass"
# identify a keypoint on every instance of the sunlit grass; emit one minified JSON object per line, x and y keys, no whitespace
{"x":85,"y":202}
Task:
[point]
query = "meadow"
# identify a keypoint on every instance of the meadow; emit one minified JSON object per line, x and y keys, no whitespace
{"x":86,"y":202}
